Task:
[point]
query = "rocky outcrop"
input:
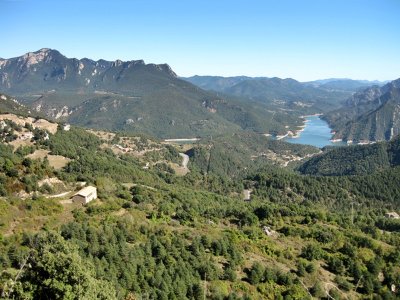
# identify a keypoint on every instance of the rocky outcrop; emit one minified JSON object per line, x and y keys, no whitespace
{"x":369,"y":115}
{"x":48,"y":69}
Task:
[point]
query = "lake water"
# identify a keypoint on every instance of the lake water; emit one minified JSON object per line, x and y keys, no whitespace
{"x":316,"y":133}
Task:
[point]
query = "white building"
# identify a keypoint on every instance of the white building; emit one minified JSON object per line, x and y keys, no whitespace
{"x":392,"y":215}
{"x":246,"y":195}
{"x":85,"y":195}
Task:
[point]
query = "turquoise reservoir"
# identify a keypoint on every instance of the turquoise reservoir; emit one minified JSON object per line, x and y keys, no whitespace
{"x":316,"y":133}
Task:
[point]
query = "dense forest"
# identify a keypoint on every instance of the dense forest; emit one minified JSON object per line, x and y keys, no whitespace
{"x":354,"y":160}
{"x":155,"y":235}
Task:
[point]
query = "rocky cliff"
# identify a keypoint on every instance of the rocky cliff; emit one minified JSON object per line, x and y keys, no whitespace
{"x":369,"y":115}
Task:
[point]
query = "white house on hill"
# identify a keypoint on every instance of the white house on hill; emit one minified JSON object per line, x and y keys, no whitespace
{"x":66,"y":127}
{"x":246,"y":195}
{"x":392,"y":215}
{"x":85,"y":195}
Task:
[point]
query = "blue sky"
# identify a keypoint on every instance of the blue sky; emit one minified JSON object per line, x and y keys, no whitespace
{"x":302,"y":39}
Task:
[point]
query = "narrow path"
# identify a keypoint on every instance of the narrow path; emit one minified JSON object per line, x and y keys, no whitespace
{"x":59,"y":195}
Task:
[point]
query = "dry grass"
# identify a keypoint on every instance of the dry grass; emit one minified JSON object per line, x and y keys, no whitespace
{"x":104,"y":135}
{"x":21,"y":143}
{"x":179,"y":170}
{"x":45,"y":125}
{"x":56,"y":161}
{"x":40,"y":123}
{"x":38,"y":154}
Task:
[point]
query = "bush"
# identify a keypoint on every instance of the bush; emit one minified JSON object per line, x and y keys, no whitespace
{"x":318,"y":290}
{"x":343,"y":283}
{"x":256,"y":273}
{"x":335,"y":265}
{"x":312,"y":251}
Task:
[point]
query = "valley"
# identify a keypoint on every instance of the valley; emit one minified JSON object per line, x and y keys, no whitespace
{"x":230,"y":189}
{"x":315,"y":132}
{"x":130,"y":96}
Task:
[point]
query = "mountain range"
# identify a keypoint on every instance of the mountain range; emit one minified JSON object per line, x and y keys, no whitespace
{"x":344,"y":84}
{"x":371,"y":114}
{"x":216,"y":219}
{"x":133,"y":96}
{"x":130,"y":96}
{"x":310,"y":97}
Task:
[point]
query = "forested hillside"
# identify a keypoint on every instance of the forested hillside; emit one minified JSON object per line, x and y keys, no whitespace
{"x":125,"y":176}
{"x":131,"y":96}
{"x":155,"y":235}
{"x":354,"y":160}
{"x":305,"y":98}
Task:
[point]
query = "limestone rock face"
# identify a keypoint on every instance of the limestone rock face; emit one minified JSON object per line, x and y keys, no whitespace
{"x":370,"y":115}
{"x":47,"y":69}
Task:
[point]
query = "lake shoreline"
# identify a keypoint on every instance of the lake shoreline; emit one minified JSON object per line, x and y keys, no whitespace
{"x":314,"y":131}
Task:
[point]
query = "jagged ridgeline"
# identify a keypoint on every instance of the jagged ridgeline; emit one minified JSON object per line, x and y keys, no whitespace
{"x":372,"y":114}
{"x":130,"y":96}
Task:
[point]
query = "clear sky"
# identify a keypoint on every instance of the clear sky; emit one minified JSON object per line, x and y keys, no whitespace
{"x":302,"y":39}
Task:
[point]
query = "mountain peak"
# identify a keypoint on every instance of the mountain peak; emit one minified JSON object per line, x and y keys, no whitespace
{"x":32,"y":58}
{"x":47,"y":65}
{"x":165,"y":68}
{"x":395,"y":83}
{"x":48,"y":69}
{"x":45,"y":50}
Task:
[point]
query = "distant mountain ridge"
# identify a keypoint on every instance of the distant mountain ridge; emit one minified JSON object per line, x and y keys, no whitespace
{"x":371,"y":114}
{"x":344,"y":84}
{"x":39,"y":71}
{"x":294,"y":94}
{"x":215,"y":83}
{"x":130,"y":96}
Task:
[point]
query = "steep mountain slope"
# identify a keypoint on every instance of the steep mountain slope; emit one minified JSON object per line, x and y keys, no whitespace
{"x":354,"y":160}
{"x":372,"y":114}
{"x":131,"y":96}
{"x":10,"y":105}
{"x":284,"y":93}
